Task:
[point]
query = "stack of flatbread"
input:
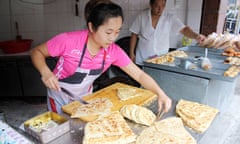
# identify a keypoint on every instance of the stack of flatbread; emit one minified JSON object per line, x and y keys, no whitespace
{"x":108,"y":129}
{"x":232,"y":71}
{"x":195,"y":115}
{"x":168,"y":58}
{"x":94,"y":107}
{"x":232,"y":60}
{"x":178,"y":53}
{"x":138,"y":114}
{"x":168,"y":131}
{"x":161,"y":59}
{"x":232,"y":51}
{"x":215,"y":40}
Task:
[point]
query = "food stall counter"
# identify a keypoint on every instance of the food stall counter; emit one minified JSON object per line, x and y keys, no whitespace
{"x":209,"y":87}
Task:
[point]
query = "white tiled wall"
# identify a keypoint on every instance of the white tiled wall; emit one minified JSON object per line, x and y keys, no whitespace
{"x":42,"y":21}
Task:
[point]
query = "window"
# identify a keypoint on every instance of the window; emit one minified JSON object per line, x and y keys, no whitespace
{"x":232,"y":24}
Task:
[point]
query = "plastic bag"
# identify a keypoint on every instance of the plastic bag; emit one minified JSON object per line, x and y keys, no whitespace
{"x":206,"y":63}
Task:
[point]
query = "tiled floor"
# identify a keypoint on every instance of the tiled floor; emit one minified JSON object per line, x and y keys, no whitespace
{"x":17,"y":110}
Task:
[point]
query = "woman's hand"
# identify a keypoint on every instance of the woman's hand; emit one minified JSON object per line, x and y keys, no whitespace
{"x":165,"y":103}
{"x":51,"y":81}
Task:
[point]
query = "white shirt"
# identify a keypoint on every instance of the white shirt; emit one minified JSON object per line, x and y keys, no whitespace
{"x":154,"y":41}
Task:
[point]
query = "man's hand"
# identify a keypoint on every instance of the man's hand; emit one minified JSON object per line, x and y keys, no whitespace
{"x":200,"y":38}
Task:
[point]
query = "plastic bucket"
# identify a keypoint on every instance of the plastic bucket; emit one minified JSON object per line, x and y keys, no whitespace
{"x":15,"y":46}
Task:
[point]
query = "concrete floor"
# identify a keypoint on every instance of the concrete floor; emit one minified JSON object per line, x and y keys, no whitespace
{"x":225,"y":131}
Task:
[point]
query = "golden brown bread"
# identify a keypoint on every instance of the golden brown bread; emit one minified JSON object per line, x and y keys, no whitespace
{"x":94,"y":108}
{"x":168,"y":131}
{"x":108,"y":129}
{"x":195,"y":115}
{"x":126,"y":93}
{"x":232,"y":71}
{"x":209,"y":40}
{"x":168,"y":58}
{"x":231,"y":51}
{"x":138,"y":114}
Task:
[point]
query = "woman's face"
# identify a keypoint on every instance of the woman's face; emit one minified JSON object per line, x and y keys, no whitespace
{"x":158,"y":7}
{"x":107,"y":33}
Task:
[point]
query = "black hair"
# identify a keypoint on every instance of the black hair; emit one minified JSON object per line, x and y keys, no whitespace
{"x":91,"y":4}
{"x":153,"y":1}
{"x":102,"y":12}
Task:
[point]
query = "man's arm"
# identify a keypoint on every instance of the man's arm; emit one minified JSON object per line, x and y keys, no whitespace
{"x":133,"y":43}
{"x":188,"y":32}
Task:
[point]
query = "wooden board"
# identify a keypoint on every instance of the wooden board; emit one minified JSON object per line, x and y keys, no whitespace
{"x":144,"y":98}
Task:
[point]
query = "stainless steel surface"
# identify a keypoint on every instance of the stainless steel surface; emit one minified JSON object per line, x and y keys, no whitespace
{"x":74,"y":136}
{"x":33,"y":126}
{"x":225,"y":128}
{"x":76,"y":133}
{"x":194,"y":55}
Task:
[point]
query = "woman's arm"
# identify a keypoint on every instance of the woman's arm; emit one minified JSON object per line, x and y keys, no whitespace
{"x":38,"y":56}
{"x":147,"y":82}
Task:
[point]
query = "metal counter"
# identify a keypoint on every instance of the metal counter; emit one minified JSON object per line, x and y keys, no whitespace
{"x":75,"y":135}
{"x":207,"y":87}
{"x":194,"y":55}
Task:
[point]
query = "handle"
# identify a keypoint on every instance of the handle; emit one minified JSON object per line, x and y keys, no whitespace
{"x":76,"y":8}
{"x":17,"y":30}
{"x":206,"y":52}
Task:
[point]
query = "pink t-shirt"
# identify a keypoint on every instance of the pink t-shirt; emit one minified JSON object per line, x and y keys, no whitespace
{"x":69,"y":46}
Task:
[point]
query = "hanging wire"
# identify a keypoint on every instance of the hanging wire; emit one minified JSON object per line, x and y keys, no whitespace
{"x":37,"y":3}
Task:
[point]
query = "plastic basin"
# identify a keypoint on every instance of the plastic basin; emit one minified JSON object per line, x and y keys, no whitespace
{"x":15,"y":46}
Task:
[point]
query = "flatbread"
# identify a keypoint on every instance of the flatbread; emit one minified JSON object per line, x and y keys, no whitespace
{"x":168,"y":131}
{"x":178,"y":53}
{"x":126,"y":93}
{"x":138,"y":114}
{"x":195,"y":115}
{"x":232,"y":60}
{"x":232,"y":71}
{"x":94,"y":107}
{"x":108,"y":129}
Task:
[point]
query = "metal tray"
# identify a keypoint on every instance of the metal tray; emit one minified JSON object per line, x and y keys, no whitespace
{"x":50,"y":134}
{"x":195,"y":54}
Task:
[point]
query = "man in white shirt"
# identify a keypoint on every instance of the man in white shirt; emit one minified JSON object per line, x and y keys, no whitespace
{"x":152,"y":29}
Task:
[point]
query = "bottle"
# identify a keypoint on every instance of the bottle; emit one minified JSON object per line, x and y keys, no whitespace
{"x":186,"y":41}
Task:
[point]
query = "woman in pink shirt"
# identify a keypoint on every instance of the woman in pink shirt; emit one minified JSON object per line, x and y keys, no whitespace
{"x":84,"y":55}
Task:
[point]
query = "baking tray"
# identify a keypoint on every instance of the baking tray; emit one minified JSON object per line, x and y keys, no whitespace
{"x":47,"y":135}
{"x":197,"y":49}
{"x":195,"y":54}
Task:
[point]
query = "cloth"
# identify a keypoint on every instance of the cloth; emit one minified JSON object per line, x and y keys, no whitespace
{"x":76,"y":69}
{"x":154,"y":41}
